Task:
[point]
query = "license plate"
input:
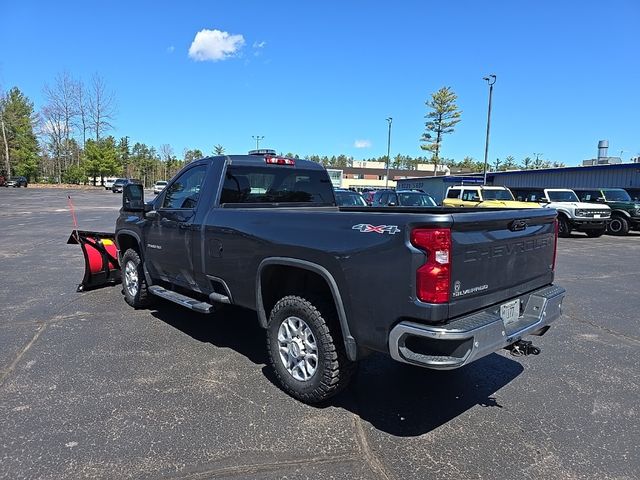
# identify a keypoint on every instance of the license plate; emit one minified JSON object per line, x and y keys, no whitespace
{"x":510,"y":311}
{"x":596,"y":216}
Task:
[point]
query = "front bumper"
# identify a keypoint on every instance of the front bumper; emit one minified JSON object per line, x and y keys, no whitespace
{"x":591,"y":224}
{"x":466,"y":339}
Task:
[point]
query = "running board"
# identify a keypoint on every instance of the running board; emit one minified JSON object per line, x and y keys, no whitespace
{"x":175,"y":297}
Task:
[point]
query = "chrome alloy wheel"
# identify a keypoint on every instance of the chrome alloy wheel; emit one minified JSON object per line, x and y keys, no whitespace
{"x":298,"y":349}
{"x":131,"y":278}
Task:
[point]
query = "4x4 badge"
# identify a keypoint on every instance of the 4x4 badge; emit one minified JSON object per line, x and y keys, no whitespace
{"x":367,"y":228}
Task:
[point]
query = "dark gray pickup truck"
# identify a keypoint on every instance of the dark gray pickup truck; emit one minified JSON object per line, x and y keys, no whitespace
{"x":436,"y":287}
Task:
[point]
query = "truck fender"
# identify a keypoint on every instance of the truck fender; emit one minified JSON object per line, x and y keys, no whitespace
{"x":136,"y":237}
{"x":349,"y":341}
{"x":622,"y":213}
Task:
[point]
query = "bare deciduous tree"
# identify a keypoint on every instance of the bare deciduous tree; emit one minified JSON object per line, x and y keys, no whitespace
{"x":83,"y":111}
{"x":60,"y":113}
{"x":102,"y":109}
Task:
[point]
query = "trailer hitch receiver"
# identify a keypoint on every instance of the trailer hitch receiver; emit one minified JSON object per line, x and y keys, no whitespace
{"x":522,"y":348}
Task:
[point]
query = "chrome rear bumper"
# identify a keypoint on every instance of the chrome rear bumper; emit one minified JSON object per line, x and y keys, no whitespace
{"x":466,"y":339}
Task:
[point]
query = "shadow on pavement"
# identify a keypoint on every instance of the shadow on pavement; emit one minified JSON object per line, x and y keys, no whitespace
{"x":399,"y":399}
{"x":407,"y":401}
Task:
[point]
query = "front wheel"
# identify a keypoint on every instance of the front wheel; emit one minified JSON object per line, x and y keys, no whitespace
{"x":306,"y":349}
{"x":134,"y":283}
{"x":564,"y":229}
{"x":618,"y":226}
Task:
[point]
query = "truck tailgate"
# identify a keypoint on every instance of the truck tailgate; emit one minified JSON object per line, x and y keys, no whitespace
{"x":499,"y":256}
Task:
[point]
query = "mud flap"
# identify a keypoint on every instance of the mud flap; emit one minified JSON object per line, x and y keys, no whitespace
{"x":101,"y":266}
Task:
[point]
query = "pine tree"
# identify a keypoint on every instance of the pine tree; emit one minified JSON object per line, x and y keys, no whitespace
{"x":441,"y":120}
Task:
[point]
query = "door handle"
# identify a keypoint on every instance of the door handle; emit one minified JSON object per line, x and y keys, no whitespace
{"x":184,"y":226}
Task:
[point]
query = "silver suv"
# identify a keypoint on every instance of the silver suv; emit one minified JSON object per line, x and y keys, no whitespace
{"x":572,"y":213}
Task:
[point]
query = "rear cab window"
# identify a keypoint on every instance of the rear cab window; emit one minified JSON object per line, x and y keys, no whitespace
{"x":262,"y":185}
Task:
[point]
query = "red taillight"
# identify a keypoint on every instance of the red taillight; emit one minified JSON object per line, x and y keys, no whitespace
{"x":279,"y":161}
{"x":433,"y":279}
{"x":555,"y":246}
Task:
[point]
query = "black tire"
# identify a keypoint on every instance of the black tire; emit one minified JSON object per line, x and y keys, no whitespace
{"x":595,"y":233}
{"x":618,"y":226}
{"x":333,"y":369}
{"x":138,"y":297}
{"x":564,"y":228}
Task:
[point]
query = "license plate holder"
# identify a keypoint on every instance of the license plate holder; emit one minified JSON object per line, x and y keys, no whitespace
{"x":510,"y":311}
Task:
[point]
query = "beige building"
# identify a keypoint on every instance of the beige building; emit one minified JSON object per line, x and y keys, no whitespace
{"x":364,"y":175}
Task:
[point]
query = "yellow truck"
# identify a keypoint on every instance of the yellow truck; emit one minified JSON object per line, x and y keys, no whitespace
{"x":483,"y":196}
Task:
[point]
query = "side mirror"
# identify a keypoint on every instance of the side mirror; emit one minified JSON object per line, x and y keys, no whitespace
{"x":133,"y":198}
{"x":600,"y":200}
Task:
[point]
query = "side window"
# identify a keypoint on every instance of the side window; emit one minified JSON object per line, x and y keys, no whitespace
{"x":384,"y":198}
{"x":470,"y":196}
{"x":393,"y":198}
{"x":185,"y":190}
{"x":453,"y":193}
{"x":589,"y":196}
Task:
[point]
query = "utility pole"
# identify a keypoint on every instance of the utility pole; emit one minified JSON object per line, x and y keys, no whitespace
{"x":257,"y":138}
{"x":6,"y":147}
{"x":390,"y":120}
{"x":491,"y":79}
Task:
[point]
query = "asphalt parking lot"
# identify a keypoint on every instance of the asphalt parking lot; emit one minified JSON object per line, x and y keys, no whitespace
{"x":90,"y":388}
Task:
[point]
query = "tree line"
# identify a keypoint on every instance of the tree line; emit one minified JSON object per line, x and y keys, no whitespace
{"x":69,"y":139}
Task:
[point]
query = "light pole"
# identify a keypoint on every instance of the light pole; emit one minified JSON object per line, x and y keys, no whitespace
{"x":390,"y":120}
{"x":257,"y":138}
{"x":491,"y":79}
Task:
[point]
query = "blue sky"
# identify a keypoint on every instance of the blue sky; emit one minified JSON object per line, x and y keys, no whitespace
{"x":321,"y":77}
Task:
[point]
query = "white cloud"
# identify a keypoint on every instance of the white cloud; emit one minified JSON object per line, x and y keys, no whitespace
{"x":214,"y":45}
{"x":362,"y":144}
{"x":171,"y":49}
{"x":261,"y":44}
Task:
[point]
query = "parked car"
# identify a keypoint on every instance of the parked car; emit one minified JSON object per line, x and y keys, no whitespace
{"x":17,"y":182}
{"x":120,"y":182}
{"x":403,"y":198}
{"x":159,"y":186}
{"x":483,"y":196}
{"x":368,"y":194}
{"x":572,"y":213}
{"x":625,"y":213}
{"x":108,"y":182}
{"x":349,"y":198}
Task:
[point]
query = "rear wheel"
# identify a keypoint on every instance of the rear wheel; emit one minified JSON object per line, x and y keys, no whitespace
{"x":618,"y":226}
{"x":134,"y":283}
{"x":564,"y":229}
{"x":595,"y":233}
{"x":306,"y":349}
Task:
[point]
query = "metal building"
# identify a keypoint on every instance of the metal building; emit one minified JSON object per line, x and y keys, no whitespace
{"x":622,"y":175}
